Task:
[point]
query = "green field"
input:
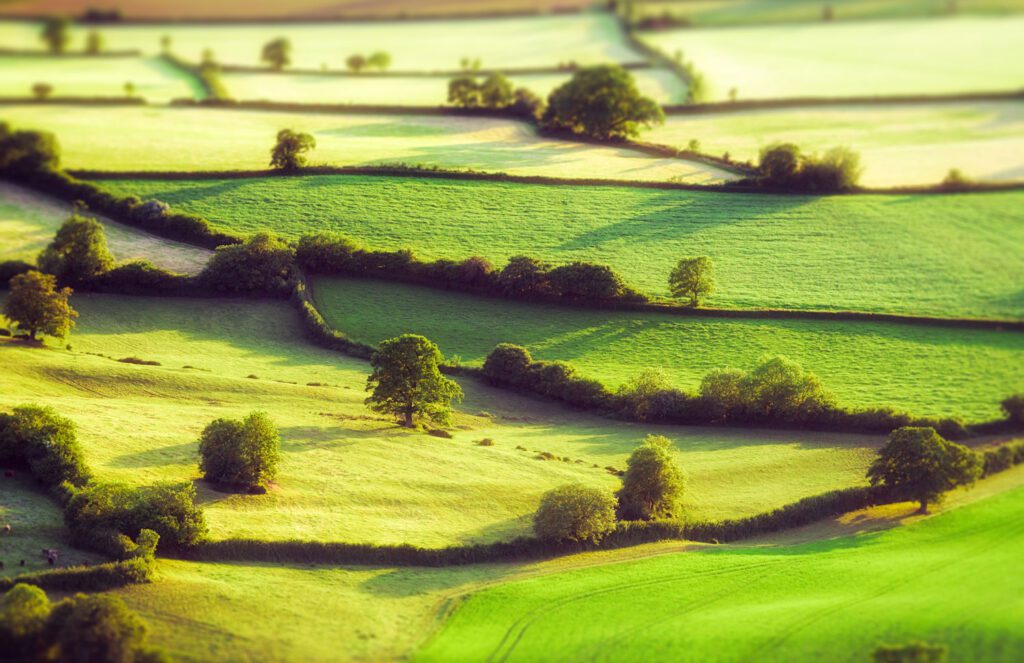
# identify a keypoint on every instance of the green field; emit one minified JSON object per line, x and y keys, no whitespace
{"x":435,"y":491}
{"x":204,"y":139}
{"x":951,"y":579}
{"x":539,"y":41}
{"x":661,"y":85}
{"x":898,"y":145}
{"x":950,"y":255}
{"x":28,"y":222}
{"x":154,"y":79}
{"x":925,"y":370}
{"x":927,"y":56}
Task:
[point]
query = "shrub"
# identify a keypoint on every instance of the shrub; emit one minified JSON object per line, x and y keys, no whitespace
{"x":586,"y":281}
{"x":653,"y":484}
{"x":78,"y":252}
{"x":46,"y":443}
{"x":574,"y":513}
{"x":485,"y":442}
{"x":35,"y":304}
{"x":602,"y":102}
{"x":240,"y":453}
{"x":326,"y":253}
{"x":262,"y":264}
{"x":635,"y":397}
{"x":524,"y":277}
{"x":507,"y":363}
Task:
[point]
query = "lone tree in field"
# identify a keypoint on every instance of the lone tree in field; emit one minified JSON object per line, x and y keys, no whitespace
{"x":55,"y":34}
{"x":42,"y":91}
{"x":93,"y":43}
{"x":277,"y":53}
{"x":406,"y":381}
{"x":35,"y":304}
{"x":576,"y":513}
{"x":290,"y":151}
{"x":78,"y":252}
{"x":355,"y":63}
{"x":601,"y":102}
{"x":653,"y":484}
{"x":379,"y":61}
{"x":240,"y":453}
{"x":918,"y":464}
{"x":692,"y":279}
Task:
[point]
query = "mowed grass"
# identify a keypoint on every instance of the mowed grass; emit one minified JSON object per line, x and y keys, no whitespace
{"x":898,"y":145}
{"x":153,"y":79}
{"x":925,"y":370}
{"x":141,"y":424}
{"x":202,"y":139}
{"x":533,"y":41}
{"x":661,"y":85}
{"x":29,"y":221}
{"x":899,"y":57}
{"x":950,"y":579}
{"x":948,"y":255}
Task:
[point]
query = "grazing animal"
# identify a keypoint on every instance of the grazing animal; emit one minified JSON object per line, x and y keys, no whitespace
{"x":22,"y":562}
{"x":7,"y":529}
{"x":51,"y":555}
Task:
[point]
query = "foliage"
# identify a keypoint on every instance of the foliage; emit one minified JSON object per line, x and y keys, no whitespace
{"x":496,"y":91}
{"x":379,"y":60}
{"x":42,"y":91}
{"x":918,"y":464}
{"x":602,"y":102}
{"x":35,"y":303}
{"x":653,"y":484}
{"x":406,"y":381}
{"x":693,"y":278}
{"x":1013,"y":407}
{"x":93,"y":43}
{"x":55,"y":34}
{"x":79,"y":251}
{"x":240,"y":453}
{"x":356,"y":63}
{"x":27,"y":151}
{"x":289,"y":152}
{"x":778,"y":389}
{"x":784,"y":167}
{"x":585,"y":281}
{"x":574,"y":512}
{"x":464,"y":92}
{"x":45,"y":442}
{"x":914,"y":652}
{"x":277,"y":53}
{"x":263,"y":263}
{"x":637,"y":395}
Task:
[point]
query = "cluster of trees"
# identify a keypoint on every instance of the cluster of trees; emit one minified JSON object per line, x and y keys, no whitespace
{"x":242,"y":454}
{"x":494,"y":92}
{"x":783,"y":166}
{"x":379,"y":60}
{"x":79,"y":629}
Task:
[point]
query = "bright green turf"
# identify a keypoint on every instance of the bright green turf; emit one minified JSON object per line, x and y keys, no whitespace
{"x":661,"y":85}
{"x":926,"y":56}
{"x":925,"y":370}
{"x":542,"y":41}
{"x":332,"y":487}
{"x":898,"y":145}
{"x":206,"y":139}
{"x":28,"y":222}
{"x":154,"y":80}
{"x":951,"y":579}
{"x":949,"y":255}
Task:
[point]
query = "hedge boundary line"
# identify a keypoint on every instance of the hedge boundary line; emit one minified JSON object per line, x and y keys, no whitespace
{"x":812,"y":102}
{"x":40,"y":53}
{"x":74,"y":101}
{"x":437,"y":73}
{"x":97,"y":578}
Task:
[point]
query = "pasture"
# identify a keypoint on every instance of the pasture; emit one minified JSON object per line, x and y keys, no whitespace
{"x":151,"y":78}
{"x":948,"y":579}
{"x":870,"y":58}
{"x":207,"y":139}
{"x":28,"y":222}
{"x":898,"y":145}
{"x":925,"y":370}
{"x":948,"y":256}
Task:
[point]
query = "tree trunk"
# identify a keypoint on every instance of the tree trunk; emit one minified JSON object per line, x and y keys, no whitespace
{"x":408,"y":418}
{"x":32,"y":334}
{"x":924,"y":507}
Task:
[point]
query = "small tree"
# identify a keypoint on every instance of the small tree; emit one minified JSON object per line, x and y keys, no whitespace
{"x":693,"y":278}
{"x":914,"y":652}
{"x":406,"y":381}
{"x":35,"y":303}
{"x":602,"y":102}
{"x":379,"y":61}
{"x":78,"y":252}
{"x":463,"y":91}
{"x":779,"y":389}
{"x":918,"y":464}
{"x":241,"y":453}
{"x":355,"y":63}
{"x":55,"y":34}
{"x":289,"y":152}
{"x":496,"y":91}
{"x":93,"y":43}
{"x":653,"y":484}
{"x":129,"y":89}
{"x":42,"y":91}
{"x":277,"y":53}
{"x":576,"y":513}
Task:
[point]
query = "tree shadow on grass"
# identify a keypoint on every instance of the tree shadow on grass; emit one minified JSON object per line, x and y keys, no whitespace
{"x":173,"y":454}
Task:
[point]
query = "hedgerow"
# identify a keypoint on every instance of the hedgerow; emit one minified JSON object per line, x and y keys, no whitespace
{"x":97,"y":578}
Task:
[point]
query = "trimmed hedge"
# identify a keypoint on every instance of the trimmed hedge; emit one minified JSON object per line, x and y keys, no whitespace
{"x":98,"y":578}
{"x":1002,"y":457}
{"x":317,"y":328}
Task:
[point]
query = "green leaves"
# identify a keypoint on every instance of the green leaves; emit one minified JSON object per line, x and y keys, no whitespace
{"x":407,"y":382}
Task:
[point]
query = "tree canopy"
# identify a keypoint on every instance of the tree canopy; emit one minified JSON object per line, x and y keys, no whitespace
{"x":22,"y":151}
{"x":55,"y":34}
{"x":78,"y":252}
{"x":241,"y":453}
{"x":653,"y":484}
{"x":35,"y":304}
{"x":574,"y":512}
{"x":289,"y":152}
{"x":277,"y":53}
{"x":692,"y":278}
{"x":407,"y":382}
{"x":601,"y":102}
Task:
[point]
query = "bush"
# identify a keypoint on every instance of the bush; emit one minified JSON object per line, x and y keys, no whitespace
{"x":585,"y":281}
{"x":25,"y":152}
{"x":141,"y":277}
{"x":11,"y":268}
{"x":240,"y":453}
{"x":1013,"y":408}
{"x":574,"y":513}
{"x":652,"y":487}
{"x":507,"y":364}
{"x":326,"y":253}
{"x":262,"y":264}
{"x":78,"y":252}
{"x":37,"y":437}
{"x":525,"y":277}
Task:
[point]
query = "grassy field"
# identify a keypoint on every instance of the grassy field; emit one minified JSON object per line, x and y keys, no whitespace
{"x":435,"y":491}
{"x":950,"y":255}
{"x":950,"y":579}
{"x":204,"y":139}
{"x":925,"y":370}
{"x":661,"y":85}
{"x":537,"y":41}
{"x":154,"y":80}
{"x":933,"y":56}
{"x":898,"y":145}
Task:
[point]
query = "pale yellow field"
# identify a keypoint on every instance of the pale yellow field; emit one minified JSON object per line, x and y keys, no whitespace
{"x":152,"y":78}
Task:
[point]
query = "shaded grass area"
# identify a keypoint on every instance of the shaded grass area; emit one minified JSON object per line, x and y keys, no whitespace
{"x":929,"y":371}
{"x":948,"y":256}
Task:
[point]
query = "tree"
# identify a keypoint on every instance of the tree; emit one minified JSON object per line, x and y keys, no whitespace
{"x":262,"y":264}
{"x":496,"y":91}
{"x":1013,"y":408}
{"x":721,"y":390}
{"x":27,"y":151}
{"x":637,"y":394}
{"x":526,"y":104}
{"x":779,"y":164}
{"x":78,"y":252}
{"x":576,"y":513}
{"x":780,"y":389}
{"x":35,"y":304}
{"x":241,"y":453}
{"x":55,"y":34}
{"x":602,"y":102}
{"x":277,"y":53}
{"x":406,"y":381}
{"x":693,"y":278}
{"x":356,"y":63}
{"x":379,"y":61}
{"x":289,"y":152}
{"x":93,"y":43}
{"x":24,"y":612}
{"x":653,"y":484}
{"x":918,"y":464}
{"x":463,"y":91}
{"x":524,"y":276}
{"x":581,"y":280}
{"x":41,"y":91}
